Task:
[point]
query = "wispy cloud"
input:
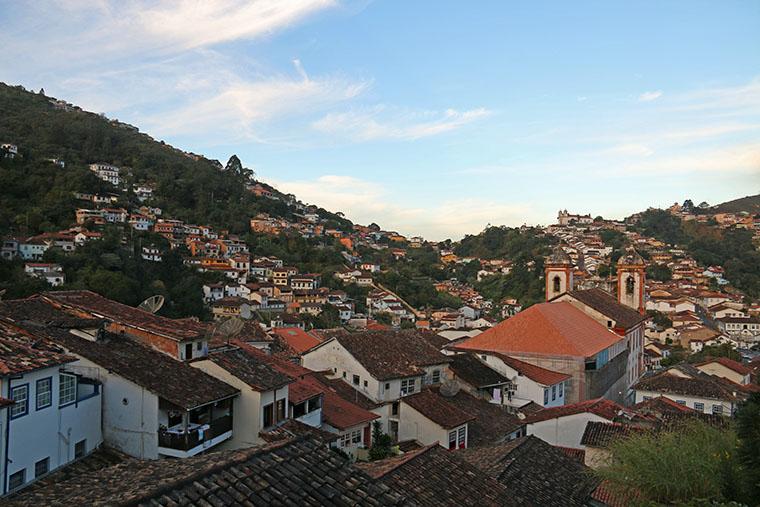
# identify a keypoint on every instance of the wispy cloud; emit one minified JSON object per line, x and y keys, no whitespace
{"x":650,"y":96}
{"x":382,"y":122}
{"x":366,"y":201}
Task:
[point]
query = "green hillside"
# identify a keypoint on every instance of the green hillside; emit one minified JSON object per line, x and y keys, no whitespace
{"x":750,"y":204}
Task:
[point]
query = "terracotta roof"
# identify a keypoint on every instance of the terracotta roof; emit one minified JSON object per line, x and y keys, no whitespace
{"x":297,"y":339}
{"x":578,"y":455}
{"x":249,"y":368}
{"x":433,"y":476}
{"x":37,"y":310}
{"x":101,"y":307}
{"x":390,"y":354}
{"x":548,"y":329}
{"x":339,"y":412}
{"x":345,"y":391}
{"x":728,"y":363}
{"x":292,"y":428}
{"x":606,"y":304}
{"x":437,"y":408}
{"x":175,"y":381}
{"x":601,"y":434}
{"x":696,"y":383}
{"x":301,"y":471}
{"x":600,"y":406}
{"x":536,"y":373}
{"x":534,"y":470}
{"x":661,"y":405}
{"x":475,"y":372}
{"x":22,"y":351}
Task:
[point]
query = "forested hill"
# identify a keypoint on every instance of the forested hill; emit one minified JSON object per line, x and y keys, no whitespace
{"x":750,"y":204}
{"x":38,"y":196}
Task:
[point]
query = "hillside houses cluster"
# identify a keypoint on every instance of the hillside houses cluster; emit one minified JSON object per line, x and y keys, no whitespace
{"x":698,"y":301}
{"x":121,"y":389}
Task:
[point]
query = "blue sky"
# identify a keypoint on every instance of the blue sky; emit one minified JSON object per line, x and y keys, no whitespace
{"x":429,"y":117}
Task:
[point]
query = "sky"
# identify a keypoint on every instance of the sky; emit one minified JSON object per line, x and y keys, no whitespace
{"x":432,"y":118}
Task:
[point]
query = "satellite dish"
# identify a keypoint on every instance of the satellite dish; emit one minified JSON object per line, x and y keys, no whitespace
{"x":152,"y":304}
{"x":228,"y":328}
{"x":449,"y":389}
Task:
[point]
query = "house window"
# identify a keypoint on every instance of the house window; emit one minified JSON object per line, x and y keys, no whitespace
{"x":44,"y":393}
{"x":281,"y":410}
{"x":366,"y":384}
{"x":356,"y":380}
{"x":20,"y":394}
{"x":199,"y":346}
{"x":681,"y":402}
{"x":41,"y":467}
{"x":699,"y":406}
{"x":268,"y":415}
{"x":717,"y":409}
{"x":67,"y":390}
{"x":394,"y":408}
{"x":344,"y":374}
{"x":188,"y":351}
{"x":561,"y":389}
{"x":554,"y":393}
{"x":436,"y":376}
{"x":546,"y":396}
{"x":356,"y":437}
{"x":462,"y":434}
{"x":80,"y":449}
{"x":387,"y":386}
{"x":646,"y":398}
{"x":452,"y":440}
{"x":609,"y":323}
{"x":16,"y":480}
{"x":299,"y":410}
{"x":407,"y":386}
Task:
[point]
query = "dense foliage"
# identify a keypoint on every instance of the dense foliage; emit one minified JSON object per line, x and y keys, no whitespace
{"x":692,"y":462}
{"x":516,"y":244}
{"x":731,"y":248}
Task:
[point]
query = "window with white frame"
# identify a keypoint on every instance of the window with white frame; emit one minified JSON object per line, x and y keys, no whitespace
{"x":452,"y":440}
{"x":436,"y":376}
{"x":44,"y":393}
{"x":554,"y":393}
{"x":67,"y":390}
{"x":699,"y":406}
{"x":20,"y":395}
{"x":561,"y":389}
{"x":407,"y":386}
{"x":717,"y":409}
{"x":457,"y":438}
{"x":546,"y":396}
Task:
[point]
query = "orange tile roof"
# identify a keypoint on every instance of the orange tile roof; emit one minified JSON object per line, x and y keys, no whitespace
{"x":298,"y":339}
{"x":549,"y":329}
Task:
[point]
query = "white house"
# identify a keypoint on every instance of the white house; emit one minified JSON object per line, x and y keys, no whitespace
{"x":564,"y":426}
{"x":106,"y":172}
{"x":55,"y":417}
{"x":51,"y":273}
{"x":689,"y":386}
{"x":427,"y":418}
{"x":263,"y":401}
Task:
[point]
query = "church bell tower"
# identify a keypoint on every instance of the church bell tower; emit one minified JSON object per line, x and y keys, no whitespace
{"x":631,"y":277}
{"x":558,"y":271}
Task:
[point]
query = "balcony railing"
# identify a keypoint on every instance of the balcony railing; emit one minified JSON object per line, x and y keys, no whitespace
{"x":184,"y":441}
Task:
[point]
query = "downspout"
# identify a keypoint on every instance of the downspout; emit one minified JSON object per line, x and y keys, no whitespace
{"x":7,"y":440}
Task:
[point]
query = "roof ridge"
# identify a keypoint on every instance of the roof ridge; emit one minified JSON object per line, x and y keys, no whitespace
{"x":238,"y":457}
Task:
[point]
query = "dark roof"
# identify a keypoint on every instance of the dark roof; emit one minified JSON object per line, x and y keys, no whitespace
{"x":345,"y":391}
{"x":538,"y":374}
{"x":696,"y":383}
{"x":475,"y":372}
{"x":259,"y":375}
{"x":435,"y":407}
{"x":492,"y":423}
{"x":292,"y":428}
{"x":337,"y":411}
{"x":601,"y":434}
{"x":173,"y":380}
{"x":602,"y":407}
{"x":606,"y":304}
{"x":433,"y":476}
{"x":101,"y":307}
{"x":35,"y":309}
{"x":390,"y":354}
{"x":533,"y":469}
{"x":297,"y":472}
{"x":22,"y":351}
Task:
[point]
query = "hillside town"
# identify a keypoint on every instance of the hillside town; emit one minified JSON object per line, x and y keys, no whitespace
{"x":95,"y":389}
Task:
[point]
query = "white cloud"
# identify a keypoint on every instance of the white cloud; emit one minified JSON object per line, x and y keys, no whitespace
{"x":366,"y":201}
{"x":382,"y":122}
{"x":650,"y":96}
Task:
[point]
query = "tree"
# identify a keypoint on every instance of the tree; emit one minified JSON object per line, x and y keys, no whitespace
{"x":381,"y":443}
{"x":659,"y":272}
{"x":660,"y":319}
{"x":748,"y":430}
{"x":680,"y":465}
{"x":234,"y":165}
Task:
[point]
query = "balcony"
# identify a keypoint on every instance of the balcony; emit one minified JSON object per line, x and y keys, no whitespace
{"x":181,"y":442}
